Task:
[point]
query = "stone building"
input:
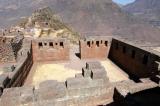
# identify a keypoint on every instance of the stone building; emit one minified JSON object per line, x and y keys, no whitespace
{"x":92,"y":86}
{"x":50,"y":49}
{"x":96,"y":48}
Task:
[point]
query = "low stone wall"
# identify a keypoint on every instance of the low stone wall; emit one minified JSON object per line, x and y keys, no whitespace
{"x":90,"y":88}
{"x":125,"y":90}
{"x":18,"y":74}
{"x":50,"y":50}
{"x":82,"y":90}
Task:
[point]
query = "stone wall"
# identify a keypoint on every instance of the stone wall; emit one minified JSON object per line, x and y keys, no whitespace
{"x":9,"y":48}
{"x":91,"y":90}
{"x":16,"y":43}
{"x":94,"y":49}
{"x":135,"y":61}
{"x":6,"y":51}
{"x":124,"y":93}
{"x":50,"y":50}
{"x":16,"y":77}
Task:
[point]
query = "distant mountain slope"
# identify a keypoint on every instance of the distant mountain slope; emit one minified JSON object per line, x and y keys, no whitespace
{"x":146,"y":9}
{"x":44,"y":23}
{"x":89,"y":17}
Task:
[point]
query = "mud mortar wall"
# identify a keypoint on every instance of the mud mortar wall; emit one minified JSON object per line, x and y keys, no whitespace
{"x":50,"y":50}
{"x":135,"y":61}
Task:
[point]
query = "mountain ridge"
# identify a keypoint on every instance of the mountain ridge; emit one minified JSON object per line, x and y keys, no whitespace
{"x":91,"y":17}
{"x":146,"y":9}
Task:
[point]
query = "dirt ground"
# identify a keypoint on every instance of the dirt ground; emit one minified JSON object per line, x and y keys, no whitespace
{"x":114,"y":73}
{"x":1,"y":72}
{"x":52,"y":72}
{"x":63,"y":70}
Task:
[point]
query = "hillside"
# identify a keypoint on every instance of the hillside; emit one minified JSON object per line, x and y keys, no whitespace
{"x":145,"y":9}
{"x":44,"y":23}
{"x":88,"y":17}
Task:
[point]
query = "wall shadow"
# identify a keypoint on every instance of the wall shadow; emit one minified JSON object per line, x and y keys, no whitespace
{"x":78,"y":55}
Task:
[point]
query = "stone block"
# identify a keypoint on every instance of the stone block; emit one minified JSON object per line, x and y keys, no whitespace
{"x":142,"y":86}
{"x":93,"y":88}
{"x":15,"y":96}
{"x":10,"y":101}
{"x":77,"y":83}
{"x":50,"y":90}
{"x":11,"y":92}
{"x":98,"y":73}
{"x":27,"y":95}
{"x":86,"y":72}
{"x":93,"y":65}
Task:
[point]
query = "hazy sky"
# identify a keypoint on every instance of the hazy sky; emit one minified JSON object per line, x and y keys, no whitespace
{"x":123,"y":1}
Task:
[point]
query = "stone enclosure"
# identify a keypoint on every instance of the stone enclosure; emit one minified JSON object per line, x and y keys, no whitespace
{"x":91,"y":87}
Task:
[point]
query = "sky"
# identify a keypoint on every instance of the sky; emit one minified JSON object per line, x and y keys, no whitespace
{"x":124,"y":2}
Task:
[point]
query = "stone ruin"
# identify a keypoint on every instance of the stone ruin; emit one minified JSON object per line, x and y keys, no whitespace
{"x":140,"y":63}
{"x":15,"y":73}
{"x":91,"y":87}
{"x":9,"y":48}
{"x":97,"y":48}
{"x":45,"y":49}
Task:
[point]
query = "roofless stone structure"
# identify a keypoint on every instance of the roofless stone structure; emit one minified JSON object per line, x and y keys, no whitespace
{"x":99,"y":63}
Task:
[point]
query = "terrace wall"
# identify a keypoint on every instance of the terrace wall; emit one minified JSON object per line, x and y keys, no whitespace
{"x":50,"y":50}
{"x":135,"y":61}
